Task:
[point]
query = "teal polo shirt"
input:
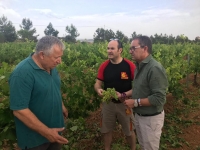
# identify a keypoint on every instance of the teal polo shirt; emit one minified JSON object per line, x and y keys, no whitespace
{"x":150,"y":81}
{"x":36,"y":89}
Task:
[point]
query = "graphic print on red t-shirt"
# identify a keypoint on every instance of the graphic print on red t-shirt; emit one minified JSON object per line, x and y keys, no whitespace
{"x":124,"y":75}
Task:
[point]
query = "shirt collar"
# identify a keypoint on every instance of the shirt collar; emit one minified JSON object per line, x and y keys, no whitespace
{"x":32,"y":63}
{"x":145,"y":61}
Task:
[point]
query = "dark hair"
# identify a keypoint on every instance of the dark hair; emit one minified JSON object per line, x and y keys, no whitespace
{"x":120,"y":45}
{"x":145,"y":41}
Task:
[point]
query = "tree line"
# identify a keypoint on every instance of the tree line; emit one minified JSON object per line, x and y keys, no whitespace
{"x":8,"y":33}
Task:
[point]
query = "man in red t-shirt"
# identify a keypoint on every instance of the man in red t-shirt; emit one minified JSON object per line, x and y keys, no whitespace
{"x":118,"y":73}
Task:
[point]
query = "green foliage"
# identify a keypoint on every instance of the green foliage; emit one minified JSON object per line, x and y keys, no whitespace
{"x":121,"y":36}
{"x":133,"y":35}
{"x":169,"y":39}
{"x":77,"y":85}
{"x":72,"y":34}
{"x":13,"y":53}
{"x":172,"y":58}
{"x":75,"y":131}
{"x":69,"y":39}
{"x":7,"y":127}
{"x":7,"y":30}
{"x":26,"y":31}
{"x":102,"y":35}
{"x":182,"y":38}
{"x":108,"y":94}
{"x":50,"y":30}
{"x":119,"y":147}
{"x":26,"y":24}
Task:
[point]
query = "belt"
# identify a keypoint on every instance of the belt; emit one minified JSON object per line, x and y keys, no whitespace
{"x":146,"y":115}
{"x":116,"y":101}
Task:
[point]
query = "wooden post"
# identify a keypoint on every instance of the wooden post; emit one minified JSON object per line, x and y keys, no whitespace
{"x":188,"y":60}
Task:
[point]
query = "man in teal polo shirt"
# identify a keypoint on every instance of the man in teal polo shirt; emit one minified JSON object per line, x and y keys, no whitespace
{"x":35,"y":98}
{"x":149,"y":94}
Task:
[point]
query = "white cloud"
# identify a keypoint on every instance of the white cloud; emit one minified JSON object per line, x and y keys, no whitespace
{"x":83,"y":17}
{"x":120,"y":14}
{"x":9,"y":13}
{"x":163,"y":13}
{"x":47,"y":12}
{"x":94,"y":17}
{"x":169,"y":12}
{"x":44,"y":11}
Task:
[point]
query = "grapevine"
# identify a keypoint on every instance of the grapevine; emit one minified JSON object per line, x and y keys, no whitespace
{"x":79,"y":71}
{"x":108,"y":94}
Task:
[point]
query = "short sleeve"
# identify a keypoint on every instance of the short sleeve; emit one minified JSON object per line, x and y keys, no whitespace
{"x":20,"y":92}
{"x":102,"y":67}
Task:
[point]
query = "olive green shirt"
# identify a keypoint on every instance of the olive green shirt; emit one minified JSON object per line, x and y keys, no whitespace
{"x":150,"y":81}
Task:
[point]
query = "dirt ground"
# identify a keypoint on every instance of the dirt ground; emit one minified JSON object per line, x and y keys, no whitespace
{"x":190,"y":134}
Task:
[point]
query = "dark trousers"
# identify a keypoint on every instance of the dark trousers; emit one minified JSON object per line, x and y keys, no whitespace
{"x":46,"y":146}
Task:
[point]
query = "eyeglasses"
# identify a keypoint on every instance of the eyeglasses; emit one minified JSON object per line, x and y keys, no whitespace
{"x":120,"y":45}
{"x":133,"y":48}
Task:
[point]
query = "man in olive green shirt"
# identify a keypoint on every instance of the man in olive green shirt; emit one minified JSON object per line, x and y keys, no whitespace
{"x":149,"y":94}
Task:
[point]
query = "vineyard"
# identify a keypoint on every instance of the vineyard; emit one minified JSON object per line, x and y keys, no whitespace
{"x":78,"y":72}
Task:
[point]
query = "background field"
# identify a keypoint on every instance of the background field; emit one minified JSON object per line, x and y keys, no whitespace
{"x":78,"y":72}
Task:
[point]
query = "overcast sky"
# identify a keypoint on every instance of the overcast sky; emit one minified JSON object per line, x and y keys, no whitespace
{"x":146,"y":17}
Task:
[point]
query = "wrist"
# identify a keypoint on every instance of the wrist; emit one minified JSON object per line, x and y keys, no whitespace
{"x":139,"y":102}
{"x":98,"y":90}
{"x":44,"y":131}
{"x":122,"y":97}
{"x":135,"y":103}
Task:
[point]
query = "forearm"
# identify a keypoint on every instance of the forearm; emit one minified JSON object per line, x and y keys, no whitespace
{"x":135,"y":103}
{"x":151,"y":102}
{"x":128,"y":93}
{"x":97,"y":87}
{"x":65,"y":111}
{"x":31,"y":121}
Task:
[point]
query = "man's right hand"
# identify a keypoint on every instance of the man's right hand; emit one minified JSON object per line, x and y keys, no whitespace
{"x":53,"y":135}
{"x":99,"y":92}
{"x":129,"y":103}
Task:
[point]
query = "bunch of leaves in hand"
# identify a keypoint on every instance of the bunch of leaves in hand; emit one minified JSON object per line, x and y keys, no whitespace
{"x":108,"y":94}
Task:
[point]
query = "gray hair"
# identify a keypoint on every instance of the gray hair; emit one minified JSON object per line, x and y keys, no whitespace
{"x":46,"y":44}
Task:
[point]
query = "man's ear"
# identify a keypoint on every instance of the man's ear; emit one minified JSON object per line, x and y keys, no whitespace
{"x":41,"y":55}
{"x":146,"y":48}
{"x":120,"y":50}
